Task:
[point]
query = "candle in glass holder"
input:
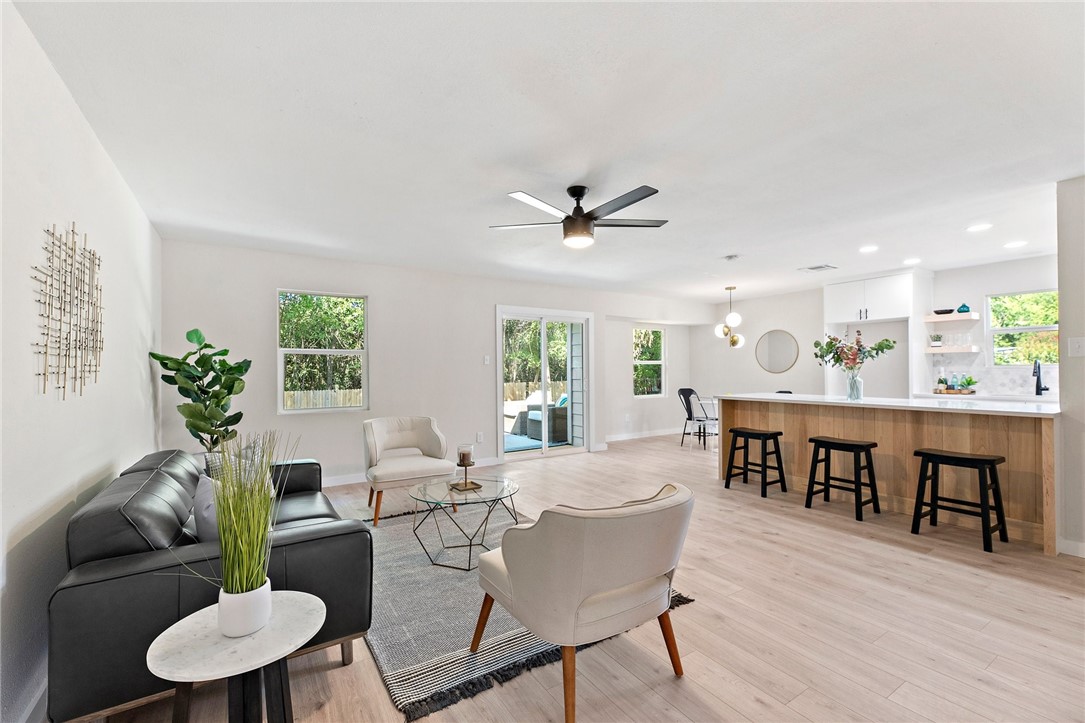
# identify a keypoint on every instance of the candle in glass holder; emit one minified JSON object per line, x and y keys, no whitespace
{"x":466,"y":455}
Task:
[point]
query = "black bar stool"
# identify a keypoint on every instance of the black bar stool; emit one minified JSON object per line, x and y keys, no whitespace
{"x":986,"y":465}
{"x":855,"y":484}
{"x":765,"y":436}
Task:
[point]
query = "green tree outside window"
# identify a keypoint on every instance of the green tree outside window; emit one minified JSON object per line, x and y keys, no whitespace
{"x":322,"y":343}
{"x":647,"y":362}
{"x":1025,"y":327}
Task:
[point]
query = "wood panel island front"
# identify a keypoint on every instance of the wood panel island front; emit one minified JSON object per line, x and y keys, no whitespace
{"x":1022,"y":432}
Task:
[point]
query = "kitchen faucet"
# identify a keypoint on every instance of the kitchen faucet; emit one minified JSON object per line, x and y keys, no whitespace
{"x":1040,"y":388}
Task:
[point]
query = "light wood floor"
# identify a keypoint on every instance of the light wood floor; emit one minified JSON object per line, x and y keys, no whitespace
{"x":799,"y":615}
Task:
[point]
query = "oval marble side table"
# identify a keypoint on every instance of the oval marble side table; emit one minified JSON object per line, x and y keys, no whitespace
{"x":193,"y":649}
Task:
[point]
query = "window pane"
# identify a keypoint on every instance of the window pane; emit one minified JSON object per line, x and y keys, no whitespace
{"x":309,"y":321}
{"x":1026,"y":346}
{"x":647,"y":379}
{"x":647,"y":345}
{"x":1038,"y":309}
{"x":322,"y":381}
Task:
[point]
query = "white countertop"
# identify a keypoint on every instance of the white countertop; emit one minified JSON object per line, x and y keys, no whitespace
{"x":971,"y":405}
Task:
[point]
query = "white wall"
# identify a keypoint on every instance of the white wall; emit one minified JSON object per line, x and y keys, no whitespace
{"x":630,"y":417}
{"x":887,"y":376}
{"x":716,"y":368}
{"x":1071,"y":447}
{"x":56,"y":453}
{"x":972,"y":285}
{"x":428,"y":334}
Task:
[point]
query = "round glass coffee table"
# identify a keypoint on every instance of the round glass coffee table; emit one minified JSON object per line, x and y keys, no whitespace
{"x":440,"y":499}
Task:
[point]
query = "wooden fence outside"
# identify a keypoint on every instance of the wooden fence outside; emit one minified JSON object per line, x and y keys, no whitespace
{"x":516,"y":391}
{"x":323,"y":399}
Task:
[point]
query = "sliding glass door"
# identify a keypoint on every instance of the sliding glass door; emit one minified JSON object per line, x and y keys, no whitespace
{"x":543,"y":402}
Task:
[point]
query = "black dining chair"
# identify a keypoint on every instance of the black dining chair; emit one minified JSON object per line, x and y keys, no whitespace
{"x":697,"y":415}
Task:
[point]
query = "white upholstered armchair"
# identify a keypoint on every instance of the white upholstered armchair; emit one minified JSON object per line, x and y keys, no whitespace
{"x":400,"y":452}
{"x":581,"y":575}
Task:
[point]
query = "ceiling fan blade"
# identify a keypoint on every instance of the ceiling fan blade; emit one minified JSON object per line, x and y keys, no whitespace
{"x":617,"y":204}
{"x":529,"y":225}
{"x":539,"y":204}
{"x":642,"y":222}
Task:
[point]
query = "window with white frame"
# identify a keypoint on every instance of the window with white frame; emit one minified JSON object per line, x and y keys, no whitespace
{"x":1024,"y":328}
{"x":647,"y":362}
{"x":323,"y":356}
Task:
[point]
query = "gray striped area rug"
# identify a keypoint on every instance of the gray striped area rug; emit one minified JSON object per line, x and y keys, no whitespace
{"x":424,"y":617}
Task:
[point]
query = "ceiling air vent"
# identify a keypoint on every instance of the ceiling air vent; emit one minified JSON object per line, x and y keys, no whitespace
{"x":819,"y":267}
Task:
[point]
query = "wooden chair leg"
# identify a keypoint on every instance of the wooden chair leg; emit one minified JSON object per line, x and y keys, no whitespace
{"x":182,"y":701}
{"x":568,"y":679}
{"x":672,"y":645}
{"x":347,"y":651}
{"x":480,"y":626}
{"x":370,"y":497}
{"x":377,"y":509}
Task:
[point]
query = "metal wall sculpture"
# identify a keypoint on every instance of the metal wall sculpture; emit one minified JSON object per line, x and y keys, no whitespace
{"x":70,"y":309}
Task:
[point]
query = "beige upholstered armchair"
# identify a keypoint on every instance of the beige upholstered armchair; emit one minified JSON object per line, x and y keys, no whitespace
{"x":581,"y":575}
{"x":400,"y":452}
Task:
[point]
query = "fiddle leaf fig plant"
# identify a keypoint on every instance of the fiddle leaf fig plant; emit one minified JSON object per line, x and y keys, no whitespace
{"x":208,"y":380}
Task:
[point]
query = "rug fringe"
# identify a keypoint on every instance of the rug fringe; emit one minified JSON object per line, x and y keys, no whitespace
{"x":387,"y":517}
{"x":470,"y":688}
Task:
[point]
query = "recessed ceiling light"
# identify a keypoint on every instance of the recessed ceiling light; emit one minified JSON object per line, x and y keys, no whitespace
{"x":868,"y":249}
{"x":911,"y":262}
{"x":980,"y":227}
{"x":1015,"y":244}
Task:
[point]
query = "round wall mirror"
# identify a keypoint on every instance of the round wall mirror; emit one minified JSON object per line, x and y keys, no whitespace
{"x":777,"y":351}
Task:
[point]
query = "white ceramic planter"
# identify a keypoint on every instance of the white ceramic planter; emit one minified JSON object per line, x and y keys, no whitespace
{"x":244,"y":613}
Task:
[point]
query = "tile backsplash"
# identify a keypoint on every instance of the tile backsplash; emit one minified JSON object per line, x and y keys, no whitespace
{"x":1000,"y":380}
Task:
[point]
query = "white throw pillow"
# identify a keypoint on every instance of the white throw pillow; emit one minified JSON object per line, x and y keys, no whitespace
{"x":207,"y":527}
{"x":212,"y":462}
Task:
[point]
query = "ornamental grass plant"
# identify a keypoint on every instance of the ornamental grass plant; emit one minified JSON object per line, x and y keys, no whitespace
{"x":245,"y":504}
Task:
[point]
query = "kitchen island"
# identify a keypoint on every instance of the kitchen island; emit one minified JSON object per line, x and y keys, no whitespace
{"x":1022,"y":432}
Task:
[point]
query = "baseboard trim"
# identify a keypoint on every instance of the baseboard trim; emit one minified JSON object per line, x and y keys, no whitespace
{"x":345,"y":479}
{"x":1070,"y":547}
{"x":641,"y":435}
{"x":37,"y":710}
{"x":359,"y":477}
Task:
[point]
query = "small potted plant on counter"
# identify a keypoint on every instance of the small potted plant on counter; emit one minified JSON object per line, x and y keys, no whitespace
{"x":966,"y":384}
{"x":936,"y":340}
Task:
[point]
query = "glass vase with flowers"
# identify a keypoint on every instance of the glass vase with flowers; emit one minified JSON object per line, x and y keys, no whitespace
{"x":850,"y":356}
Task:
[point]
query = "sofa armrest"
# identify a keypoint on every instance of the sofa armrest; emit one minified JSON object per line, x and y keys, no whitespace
{"x":298,"y":475}
{"x":105,"y":614}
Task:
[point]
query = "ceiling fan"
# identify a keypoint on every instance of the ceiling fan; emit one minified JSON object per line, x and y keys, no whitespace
{"x":579,"y":226}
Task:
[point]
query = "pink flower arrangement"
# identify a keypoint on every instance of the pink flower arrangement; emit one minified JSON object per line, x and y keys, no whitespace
{"x":837,"y":352}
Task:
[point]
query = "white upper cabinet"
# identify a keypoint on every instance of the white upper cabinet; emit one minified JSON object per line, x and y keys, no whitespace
{"x":885,"y":297}
{"x":889,"y":297}
{"x":844,"y":302}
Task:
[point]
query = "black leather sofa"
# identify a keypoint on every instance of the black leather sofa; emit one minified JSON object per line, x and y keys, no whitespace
{"x":128,"y":549}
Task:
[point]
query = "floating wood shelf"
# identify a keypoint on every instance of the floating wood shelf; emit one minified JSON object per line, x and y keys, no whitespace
{"x":938,"y":318}
{"x":952,"y":349}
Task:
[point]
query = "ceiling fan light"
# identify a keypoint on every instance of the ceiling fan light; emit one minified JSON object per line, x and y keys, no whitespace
{"x":733,"y":319}
{"x":737,"y":340}
{"x":579,"y":240}
{"x":578,"y":232}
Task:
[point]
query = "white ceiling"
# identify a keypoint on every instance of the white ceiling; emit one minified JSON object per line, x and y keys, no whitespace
{"x":790,"y":134}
